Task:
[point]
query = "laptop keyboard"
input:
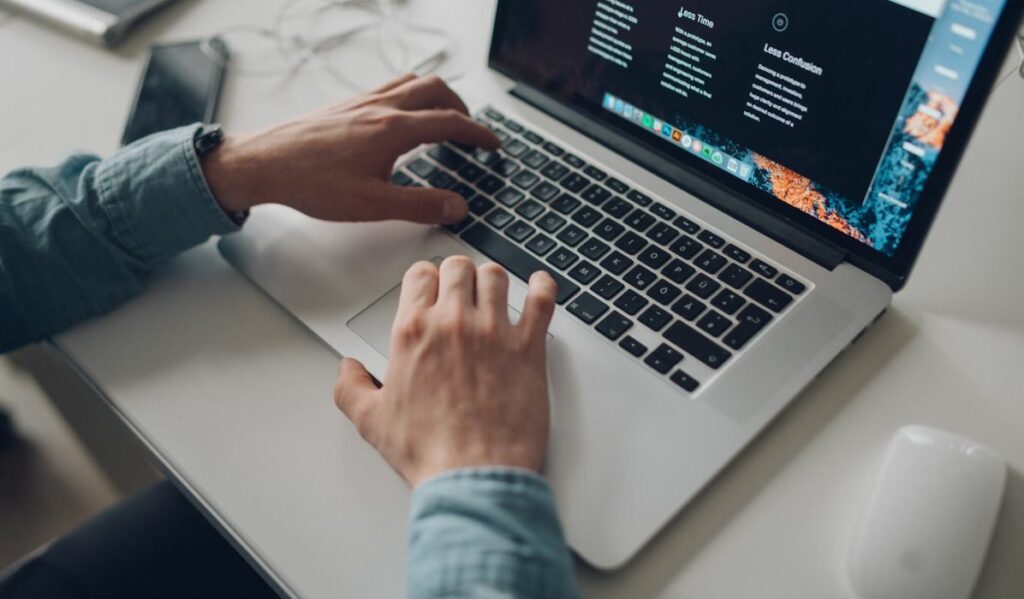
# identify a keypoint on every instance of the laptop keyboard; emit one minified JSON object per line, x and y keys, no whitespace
{"x":621,"y":259}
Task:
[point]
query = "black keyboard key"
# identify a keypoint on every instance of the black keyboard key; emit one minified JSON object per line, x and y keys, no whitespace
{"x":710,"y":261}
{"x":565,"y":203}
{"x":529,"y":209}
{"x":573,"y":160}
{"x":587,"y":216}
{"x":663,"y":233}
{"x":678,"y":271}
{"x":422,"y":168}
{"x":541,"y":244}
{"x":401,"y":179}
{"x":632,"y":346}
{"x":639,"y":220}
{"x":663,"y":292}
{"x":790,"y":284}
{"x":575,"y":183}
{"x":768,"y":295}
{"x":584,"y":272}
{"x":686,"y":247}
{"x":515,"y":259}
{"x":595,"y":173}
{"x":533,"y":137}
{"x":631,"y":302}
{"x":764,"y":269}
{"x":490,"y":184}
{"x":728,"y":301}
{"x":486,"y":157}
{"x":686,"y":224}
{"x":479,"y":205}
{"x":594,"y":248}
{"x":614,"y":325}
{"x":555,"y":170}
{"x":545,"y":191}
{"x":702,"y":286}
{"x":441,"y":180}
{"x":514,"y":126}
{"x":640,"y":277}
{"x":663,"y":359}
{"x":654,"y":256}
{"x":696,"y":344}
{"x":494,"y":115}
{"x":751,"y":320}
{"x":501,"y":134}
{"x":553,"y":149}
{"x":562,"y":258}
{"x":459,"y":226}
{"x":607,"y":287}
{"x":596,"y":195}
{"x":616,"y":185}
{"x":639,"y":198}
{"x":617,"y":207}
{"x":711,"y":239}
{"x":608,"y":229}
{"x":505,"y":167}
{"x":499,"y":218}
{"x":525,"y":179}
{"x":515,"y":148}
{"x":713,"y":323}
{"x":631,"y":243}
{"x":519,"y":230}
{"x":509,"y":196}
{"x":464,"y":190}
{"x":572,"y":235}
{"x":447,"y":157}
{"x":655,"y":318}
{"x":688,"y":307}
{"x":471,"y":172}
{"x":550,"y":222}
{"x":662,"y":211}
{"x":687,"y":382}
{"x":735,"y":276}
{"x":737,"y":254}
{"x":616,"y":262}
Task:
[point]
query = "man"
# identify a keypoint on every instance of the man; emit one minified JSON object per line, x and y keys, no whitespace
{"x":462,"y":414}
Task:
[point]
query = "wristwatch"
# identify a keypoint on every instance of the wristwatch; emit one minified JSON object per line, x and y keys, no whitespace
{"x":208,"y":136}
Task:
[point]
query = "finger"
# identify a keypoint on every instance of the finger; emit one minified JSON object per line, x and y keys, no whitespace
{"x":394,"y":83}
{"x":457,"y":285}
{"x":415,"y":204}
{"x":419,"y":287}
{"x":492,"y":291}
{"x":355,"y":394}
{"x":539,"y":307}
{"x":428,"y":92}
{"x":434,"y":126}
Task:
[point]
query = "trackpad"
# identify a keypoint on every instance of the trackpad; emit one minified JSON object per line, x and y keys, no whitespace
{"x":373,"y":324}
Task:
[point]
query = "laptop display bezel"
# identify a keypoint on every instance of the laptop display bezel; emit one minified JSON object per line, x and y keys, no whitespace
{"x":773,"y":215}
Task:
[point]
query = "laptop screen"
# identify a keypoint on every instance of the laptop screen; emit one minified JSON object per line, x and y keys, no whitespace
{"x":839,"y":109}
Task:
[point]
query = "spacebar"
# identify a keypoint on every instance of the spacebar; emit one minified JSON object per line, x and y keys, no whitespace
{"x":514,"y":258}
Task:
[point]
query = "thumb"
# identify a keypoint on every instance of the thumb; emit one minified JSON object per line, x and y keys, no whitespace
{"x":384,"y":201}
{"x":355,"y":394}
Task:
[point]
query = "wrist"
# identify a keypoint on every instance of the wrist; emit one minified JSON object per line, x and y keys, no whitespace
{"x":229,"y":175}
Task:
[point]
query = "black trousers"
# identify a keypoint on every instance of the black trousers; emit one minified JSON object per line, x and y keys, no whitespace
{"x":154,"y":544}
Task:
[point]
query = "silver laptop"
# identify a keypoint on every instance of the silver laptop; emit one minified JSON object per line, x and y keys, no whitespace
{"x":103,"y":21}
{"x":727,"y":194}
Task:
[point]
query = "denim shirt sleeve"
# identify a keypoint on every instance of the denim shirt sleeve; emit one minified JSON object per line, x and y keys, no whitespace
{"x":487,"y":532}
{"x":81,"y":237}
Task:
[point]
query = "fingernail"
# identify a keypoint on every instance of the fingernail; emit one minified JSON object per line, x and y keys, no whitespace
{"x":452,"y":209}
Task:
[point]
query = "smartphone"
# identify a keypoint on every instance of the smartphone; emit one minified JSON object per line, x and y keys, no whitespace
{"x":180,"y":85}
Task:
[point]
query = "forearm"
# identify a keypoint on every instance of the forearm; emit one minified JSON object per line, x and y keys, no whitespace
{"x":80,"y":238}
{"x":487,"y":532}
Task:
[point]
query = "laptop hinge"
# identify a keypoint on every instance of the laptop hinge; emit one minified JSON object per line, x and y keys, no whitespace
{"x":771,"y":224}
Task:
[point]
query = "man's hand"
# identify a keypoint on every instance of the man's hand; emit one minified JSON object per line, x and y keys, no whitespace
{"x":334,"y":164}
{"x":464,"y":386}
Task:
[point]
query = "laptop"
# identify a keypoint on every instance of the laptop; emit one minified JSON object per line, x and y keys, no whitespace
{"x":728,"y":195}
{"x":104,"y":21}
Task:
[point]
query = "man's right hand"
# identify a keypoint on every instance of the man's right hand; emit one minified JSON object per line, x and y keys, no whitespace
{"x":334,"y":164}
{"x":465,"y":387}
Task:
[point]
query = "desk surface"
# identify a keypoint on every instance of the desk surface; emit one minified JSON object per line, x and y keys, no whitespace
{"x":234,"y":396}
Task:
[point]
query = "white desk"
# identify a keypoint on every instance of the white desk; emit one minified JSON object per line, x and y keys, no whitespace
{"x":234,"y":397}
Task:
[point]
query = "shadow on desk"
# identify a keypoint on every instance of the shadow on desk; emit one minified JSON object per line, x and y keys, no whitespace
{"x":691,"y":530}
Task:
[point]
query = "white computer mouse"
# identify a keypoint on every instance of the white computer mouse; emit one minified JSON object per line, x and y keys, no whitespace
{"x":928,"y":521}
